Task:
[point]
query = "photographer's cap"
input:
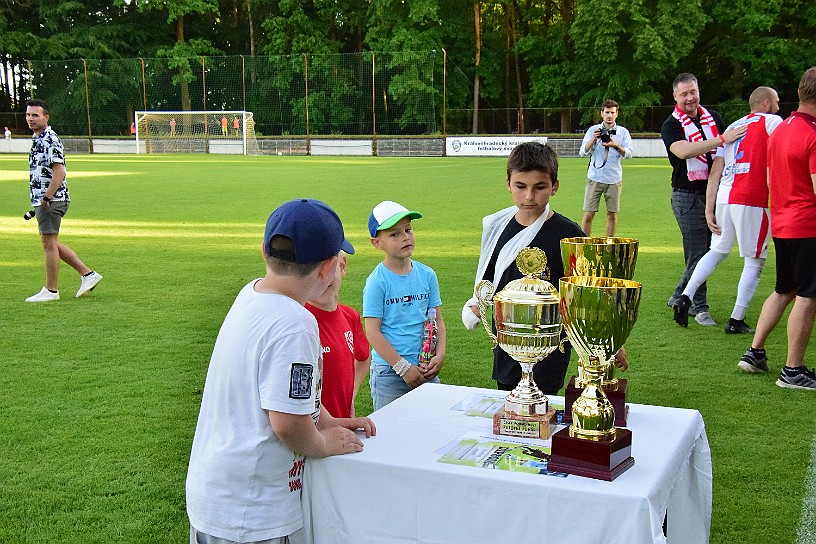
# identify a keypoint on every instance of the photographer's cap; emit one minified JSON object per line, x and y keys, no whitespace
{"x":386,"y":214}
{"x":315,"y":230}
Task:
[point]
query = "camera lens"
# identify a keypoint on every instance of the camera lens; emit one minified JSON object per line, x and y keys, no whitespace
{"x":29,"y":214}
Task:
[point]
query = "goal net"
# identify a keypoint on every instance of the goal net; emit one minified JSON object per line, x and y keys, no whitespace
{"x":220,"y":132}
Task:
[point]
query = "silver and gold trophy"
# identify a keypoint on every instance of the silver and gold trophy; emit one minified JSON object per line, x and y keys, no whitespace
{"x":605,"y":257}
{"x":528,"y":327}
{"x":598,"y":314}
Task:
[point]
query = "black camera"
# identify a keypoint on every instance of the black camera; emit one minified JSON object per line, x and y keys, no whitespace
{"x":606,"y":134}
{"x":29,"y":214}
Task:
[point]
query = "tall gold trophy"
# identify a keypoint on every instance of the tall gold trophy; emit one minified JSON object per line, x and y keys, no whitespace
{"x":598,"y":314}
{"x":600,"y":257}
{"x":528,"y":328}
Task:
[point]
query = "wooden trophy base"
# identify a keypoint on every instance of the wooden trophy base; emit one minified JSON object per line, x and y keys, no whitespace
{"x":599,"y":459}
{"x":511,"y":424}
{"x":616,"y":393}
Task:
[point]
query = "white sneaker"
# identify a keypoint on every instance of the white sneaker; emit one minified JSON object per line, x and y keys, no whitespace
{"x":704,"y":318}
{"x":88,"y":283}
{"x":43,"y":296}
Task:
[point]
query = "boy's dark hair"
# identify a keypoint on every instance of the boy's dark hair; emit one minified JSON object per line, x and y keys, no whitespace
{"x":529,"y":156}
{"x":37,"y":102}
{"x":609,"y":104}
{"x":284,"y":267}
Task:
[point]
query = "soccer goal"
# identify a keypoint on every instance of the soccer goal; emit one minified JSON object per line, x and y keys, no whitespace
{"x":220,"y":132}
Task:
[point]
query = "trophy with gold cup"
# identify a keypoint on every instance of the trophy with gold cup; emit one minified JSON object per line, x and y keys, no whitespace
{"x":598,"y":314}
{"x":600,"y":257}
{"x":528,"y":328}
{"x":603,"y":257}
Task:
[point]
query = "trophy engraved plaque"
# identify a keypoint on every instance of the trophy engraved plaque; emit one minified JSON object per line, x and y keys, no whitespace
{"x":600,"y":257}
{"x":598,"y":314}
{"x":528,"y":328}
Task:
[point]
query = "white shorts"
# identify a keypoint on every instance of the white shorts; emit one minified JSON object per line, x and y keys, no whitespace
{"x":749,"y":226}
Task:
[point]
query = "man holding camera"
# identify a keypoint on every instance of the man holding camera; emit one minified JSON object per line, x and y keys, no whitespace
{"x":606,"y":143}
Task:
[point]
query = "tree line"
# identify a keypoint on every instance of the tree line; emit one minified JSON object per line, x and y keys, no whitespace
{"x":512,"y":54}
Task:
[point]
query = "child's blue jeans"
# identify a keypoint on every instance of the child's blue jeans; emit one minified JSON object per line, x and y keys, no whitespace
{"x":386,"y":386}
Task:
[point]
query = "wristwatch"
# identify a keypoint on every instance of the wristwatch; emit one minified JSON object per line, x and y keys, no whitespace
{"x":46,"y":198}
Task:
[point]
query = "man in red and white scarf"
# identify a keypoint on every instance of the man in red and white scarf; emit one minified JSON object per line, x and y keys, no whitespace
{"x":691,"y":134}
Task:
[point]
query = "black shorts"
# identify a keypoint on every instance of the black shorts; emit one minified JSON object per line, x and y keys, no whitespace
{"x":795,"y":271}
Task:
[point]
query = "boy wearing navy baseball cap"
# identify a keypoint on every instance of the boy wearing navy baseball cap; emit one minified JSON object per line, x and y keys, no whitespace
{"x":396,"y":299}
{"x":260,"y":411}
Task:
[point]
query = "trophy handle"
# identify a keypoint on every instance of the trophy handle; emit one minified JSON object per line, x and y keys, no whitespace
{"x":609,"y":373}
{"x":485,"y":300}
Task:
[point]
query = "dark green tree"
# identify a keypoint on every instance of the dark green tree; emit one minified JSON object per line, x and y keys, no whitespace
{"x":179,"y":53}
{"x":630,"y":53}
{"x":753,"y":43}
{"x":403,"y":34}
{"x":314,"y":27}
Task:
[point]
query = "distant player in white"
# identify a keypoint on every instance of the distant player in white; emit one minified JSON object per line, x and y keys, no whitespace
{"x":737,"y":208}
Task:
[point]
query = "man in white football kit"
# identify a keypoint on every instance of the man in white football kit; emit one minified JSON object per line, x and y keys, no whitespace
{"x":737,"y":208}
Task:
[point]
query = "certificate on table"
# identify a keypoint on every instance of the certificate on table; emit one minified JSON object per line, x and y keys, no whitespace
{"x":474,"y":449}
{"x":480,"y":404}
{"x":487,"y":404}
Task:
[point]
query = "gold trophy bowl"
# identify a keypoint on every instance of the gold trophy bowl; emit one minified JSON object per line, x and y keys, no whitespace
{"x":598,"y":315}
{"x":601,"y":257}
{"x":528,"y":327}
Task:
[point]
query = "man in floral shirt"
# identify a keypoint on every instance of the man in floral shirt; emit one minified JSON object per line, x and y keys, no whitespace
{"x":49,"y":197}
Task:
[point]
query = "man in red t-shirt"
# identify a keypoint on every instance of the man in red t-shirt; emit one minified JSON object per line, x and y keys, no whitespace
{"x":346,"y":352}
{"x":792,"y":183}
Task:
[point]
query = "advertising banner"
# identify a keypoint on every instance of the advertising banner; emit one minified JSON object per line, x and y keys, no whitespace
{"x":486,"y":146}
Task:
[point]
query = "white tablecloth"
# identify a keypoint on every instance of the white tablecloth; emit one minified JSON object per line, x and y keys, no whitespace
{"x":396,"y":491}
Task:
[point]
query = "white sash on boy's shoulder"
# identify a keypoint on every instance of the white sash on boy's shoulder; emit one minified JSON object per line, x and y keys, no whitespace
{"x":493,"y":226}
{"x":508,"y":253}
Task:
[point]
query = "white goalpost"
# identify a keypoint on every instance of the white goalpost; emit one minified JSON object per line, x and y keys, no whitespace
{"x":220,"y":132}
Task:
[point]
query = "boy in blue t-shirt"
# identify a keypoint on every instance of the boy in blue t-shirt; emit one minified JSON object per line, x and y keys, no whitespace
{"x":396,"y":299}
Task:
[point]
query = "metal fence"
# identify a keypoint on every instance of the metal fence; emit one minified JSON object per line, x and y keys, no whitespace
{"x":365,"y":93}
{"x":356,"y":94}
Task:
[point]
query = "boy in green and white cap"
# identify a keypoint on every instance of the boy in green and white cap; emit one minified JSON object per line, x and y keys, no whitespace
{"x":396,"y":299}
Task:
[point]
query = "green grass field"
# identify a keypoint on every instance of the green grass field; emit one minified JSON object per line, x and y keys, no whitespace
{"x":100,"y":395}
